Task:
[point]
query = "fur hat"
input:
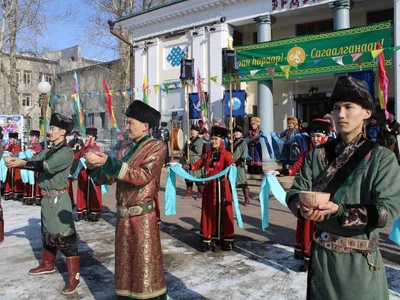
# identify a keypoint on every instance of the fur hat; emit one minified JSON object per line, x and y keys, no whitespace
{"x":374,"y":118}
{"x":219,"y":131}
{"x":91,"y":131}
{"x":34,"y":133}
{"x":144,"y":113}
{"x":349,"y":89}
{"x":237,"y":128}
{"x":13,"y":135}
{"x":255,"y":120}
{"x":195,"y":127}
{"x":164,"y":124}
{"x":293,"y":120}
{"x":321,"y":125}
{"x":62,"y":122}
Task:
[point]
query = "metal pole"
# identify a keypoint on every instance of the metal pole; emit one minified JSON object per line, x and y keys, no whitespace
{"x":44,"y":112}
{"x":187,"y":118}
{"x":131,"y":53}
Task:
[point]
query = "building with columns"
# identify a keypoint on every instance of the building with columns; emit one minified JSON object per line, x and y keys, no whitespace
{"x":200,"y":30}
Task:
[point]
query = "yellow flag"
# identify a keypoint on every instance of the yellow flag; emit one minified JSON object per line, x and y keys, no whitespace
{"x":214,"y":78}
{"x":375,"y":53}
{"x":156,"y":88}
{"x":286,"y":70}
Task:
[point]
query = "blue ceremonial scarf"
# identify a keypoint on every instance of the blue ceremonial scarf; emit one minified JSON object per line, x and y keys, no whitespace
{"x":270,"y":182}
{"x":3,"y":167}
{"x":27,"y":176}
{"x":170,"y":188}
{"x":299,"y":138}
{"x":271,"y":154}
{"x":395,"y":232}
{"x":82,"y":164}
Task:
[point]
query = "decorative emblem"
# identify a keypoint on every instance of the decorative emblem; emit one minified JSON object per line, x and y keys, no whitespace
{"x":296,"y":56}
{"x":77,"y":275}
{"x":324,"y":236}
{"x":135,"y":210}
{"x":175,"y":56}
{"x":235,"y":103}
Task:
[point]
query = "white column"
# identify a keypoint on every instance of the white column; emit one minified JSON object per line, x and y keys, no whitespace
{"x":396,"y":55}
{"x":199,"y":51}
{"x":217,"y":40}
{"x":140,"y":68}
{"x":265,"y":101}
{"x":153,"y":65}
{"x":341,"y":12}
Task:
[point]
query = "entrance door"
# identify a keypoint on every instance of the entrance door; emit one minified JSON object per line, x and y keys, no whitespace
{"x":312,"y":107}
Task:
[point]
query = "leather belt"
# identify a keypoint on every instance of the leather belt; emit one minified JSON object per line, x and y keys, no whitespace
{"x":54,"y":193}
{"x":137,"y":210}
{"x":343,"y":244}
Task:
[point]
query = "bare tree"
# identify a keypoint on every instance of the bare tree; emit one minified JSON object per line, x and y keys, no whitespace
{"x":21,"y":26}
{"x":98,"y":32}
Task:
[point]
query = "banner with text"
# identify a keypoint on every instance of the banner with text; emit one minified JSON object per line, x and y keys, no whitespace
{"x":340,"y":51}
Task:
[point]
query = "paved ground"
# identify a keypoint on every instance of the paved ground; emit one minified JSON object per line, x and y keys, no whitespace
{"x":262,"y":265}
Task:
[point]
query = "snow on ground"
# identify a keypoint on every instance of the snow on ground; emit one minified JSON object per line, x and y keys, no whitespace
{"x":254,"y":270}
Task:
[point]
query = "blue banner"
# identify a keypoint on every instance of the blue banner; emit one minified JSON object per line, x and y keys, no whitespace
{"x":238,"y":103}
{"x":195,"y":105}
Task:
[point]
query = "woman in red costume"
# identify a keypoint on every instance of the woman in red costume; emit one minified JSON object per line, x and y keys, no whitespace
{"x":88,"y":197}
{"x":216,"y":225}
{"x":32,"y":193}
{"x":14,"y":187}
{"x":319,"y":131}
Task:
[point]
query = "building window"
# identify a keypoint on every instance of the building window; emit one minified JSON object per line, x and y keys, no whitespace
{"x":237,"y":38}
{"x":380,"y":16}
{"x":103,"y":119}
{"x":89,"y":119}
{"x":47,"y":77}
{"x":27,"y":77}
{"x":26,"y":99}
{"x":314,"y":27}
{"x":18,"y":76}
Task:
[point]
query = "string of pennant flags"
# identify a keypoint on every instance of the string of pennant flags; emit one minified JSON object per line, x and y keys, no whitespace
{"x":147,"y":89}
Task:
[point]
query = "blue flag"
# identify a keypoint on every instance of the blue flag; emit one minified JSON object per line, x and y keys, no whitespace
{"x":238,"y":103}
{"x":195,"y":106}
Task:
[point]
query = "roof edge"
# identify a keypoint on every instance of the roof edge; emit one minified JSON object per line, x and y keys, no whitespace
{"x":145,"y":11}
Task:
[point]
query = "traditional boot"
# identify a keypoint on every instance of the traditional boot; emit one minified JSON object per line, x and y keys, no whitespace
{"x":246,"y":194}
{"x":304,"y":268}
{"x":73,"y":275}
{"x":47,"y":265}
{"x":189,"y":191}
{"x":200,"y":188}
{"x":1,"y":230}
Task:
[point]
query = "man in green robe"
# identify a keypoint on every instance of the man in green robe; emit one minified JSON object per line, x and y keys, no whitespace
{"x":239,"y":156}
{"x":195,"y":145}
{"x":363,"y":181}
{"x":58,"y":228}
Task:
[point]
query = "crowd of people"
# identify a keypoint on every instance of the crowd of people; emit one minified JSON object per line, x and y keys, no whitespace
{"x":337,"y":240}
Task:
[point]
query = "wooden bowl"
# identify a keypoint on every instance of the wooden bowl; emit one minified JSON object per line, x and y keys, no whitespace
{"x":314,"y":199}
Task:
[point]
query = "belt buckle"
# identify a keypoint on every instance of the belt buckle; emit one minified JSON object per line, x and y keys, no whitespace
{"x":135,"y":210}
{"x":123,"y":212}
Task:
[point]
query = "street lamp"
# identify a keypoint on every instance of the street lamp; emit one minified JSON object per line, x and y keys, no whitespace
{"x":44,"y":88}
